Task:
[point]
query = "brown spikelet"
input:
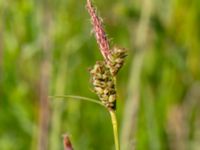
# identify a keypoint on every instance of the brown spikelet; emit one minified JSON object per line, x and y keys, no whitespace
{"x":116,"y":59}
{"x":103,"y":84}
{"x":99,"y":31}
{"x":67,"y":143}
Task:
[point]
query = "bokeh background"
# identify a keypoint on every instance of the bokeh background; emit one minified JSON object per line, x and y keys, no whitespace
{"x":46,"y":48}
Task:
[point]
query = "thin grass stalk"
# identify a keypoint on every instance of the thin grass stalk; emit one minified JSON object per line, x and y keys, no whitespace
{"x":115,"y":123}
{"x":132,"y":103}
{"x":1,"y":42}
{"x":45,"y":69}
{"x":57,"y":105}
{"x":77,"y":98}
{"x":115,"y":128}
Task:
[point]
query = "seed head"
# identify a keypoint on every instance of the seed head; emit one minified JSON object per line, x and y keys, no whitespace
{"x":104,"y":72}
{"x":67,"y":142}
{"x":103,"y":84}
{"x":116,"y":59}
{"x":98,"y":30}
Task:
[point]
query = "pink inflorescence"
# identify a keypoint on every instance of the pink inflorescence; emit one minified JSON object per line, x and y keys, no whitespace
{"x":99,"y":31}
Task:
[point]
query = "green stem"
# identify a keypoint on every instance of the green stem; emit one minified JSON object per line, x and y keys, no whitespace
{"x":115,"y":128}
{"x":114,"y":121}
{"x":78,"y":98}
{"x":112,"y":114}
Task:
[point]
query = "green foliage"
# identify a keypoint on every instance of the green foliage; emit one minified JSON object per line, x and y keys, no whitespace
{"x":168,"y":110}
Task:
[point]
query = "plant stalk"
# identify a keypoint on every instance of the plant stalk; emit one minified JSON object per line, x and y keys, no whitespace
{"x":77,"y":98}
{"x":115,"y":128}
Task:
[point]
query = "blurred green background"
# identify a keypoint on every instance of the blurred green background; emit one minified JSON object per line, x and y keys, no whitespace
{"x":46,"y":48}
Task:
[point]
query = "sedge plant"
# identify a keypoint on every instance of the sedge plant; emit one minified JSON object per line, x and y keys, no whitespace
{"x":104,"y":72}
